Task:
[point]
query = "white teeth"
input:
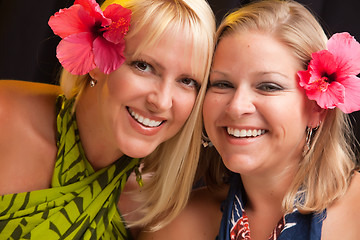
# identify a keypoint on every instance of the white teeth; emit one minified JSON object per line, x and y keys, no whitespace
{"x":239,"y":133}
{"x":143,"y":120}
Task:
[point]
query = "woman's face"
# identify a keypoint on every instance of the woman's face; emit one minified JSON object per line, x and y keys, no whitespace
{"x":148,"y":99}
{"x":254,"y":111}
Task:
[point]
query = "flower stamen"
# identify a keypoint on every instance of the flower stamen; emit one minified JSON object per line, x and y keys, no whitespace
{"x":323,"y":84}
{"x":122,"y":24}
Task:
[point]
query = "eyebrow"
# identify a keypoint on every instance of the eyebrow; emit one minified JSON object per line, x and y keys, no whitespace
{"x":257,"y":73}
{"x":219,"y":72}
{"x":271,"y":72}
{"x":152,"y":60}
{"x":156,"y":64}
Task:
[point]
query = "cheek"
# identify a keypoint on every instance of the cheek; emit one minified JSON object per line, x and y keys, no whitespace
{"x":183,"y":108}
{"x":122,"y":83}
{"x":211,"y":108}
{"x":206,"y":111}
{"x":116,"y":85}
{"x":288,"y":119}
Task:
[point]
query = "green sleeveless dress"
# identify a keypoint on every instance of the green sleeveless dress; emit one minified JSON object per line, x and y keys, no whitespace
{"x":81,"y":203}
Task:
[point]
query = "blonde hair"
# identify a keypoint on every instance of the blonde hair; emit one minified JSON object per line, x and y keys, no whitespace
{"x":173,"y":163}
{"x":325,"y":171}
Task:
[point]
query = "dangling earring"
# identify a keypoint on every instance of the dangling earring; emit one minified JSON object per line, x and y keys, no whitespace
{"x":309,"y":134}
{"x":205,"y":140}
{"x":93,"y":82}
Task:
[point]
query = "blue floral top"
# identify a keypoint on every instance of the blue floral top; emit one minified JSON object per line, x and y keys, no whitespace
{"x":294,"y":226}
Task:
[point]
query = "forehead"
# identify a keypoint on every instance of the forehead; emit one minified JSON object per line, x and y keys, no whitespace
{"x":167,"y":43}
{"x":253,"y":51}
{"x":180,"y":42}
{"x":171,"y":53}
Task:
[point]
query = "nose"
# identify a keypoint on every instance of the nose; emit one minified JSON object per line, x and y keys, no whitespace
{"x":161,"y":97}
{"x":241,"y":103}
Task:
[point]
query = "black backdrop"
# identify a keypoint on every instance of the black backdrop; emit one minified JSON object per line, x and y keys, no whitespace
{"x":27,"y":45}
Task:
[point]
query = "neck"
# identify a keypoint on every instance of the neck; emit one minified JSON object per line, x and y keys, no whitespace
{"x":266,"y":192}
{"x":264,"y":196}
{"x":98,"y":147}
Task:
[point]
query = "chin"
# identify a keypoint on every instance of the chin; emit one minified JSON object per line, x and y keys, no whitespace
{"x":139,"y":151}
{"x":241,"y":164}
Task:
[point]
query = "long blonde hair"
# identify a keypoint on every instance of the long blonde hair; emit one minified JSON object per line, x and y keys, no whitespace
{"x":325,"y":171}
{"x":173,"y":163}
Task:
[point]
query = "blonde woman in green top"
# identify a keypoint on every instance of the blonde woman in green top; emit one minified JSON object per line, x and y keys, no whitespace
{"x":130,"y":96}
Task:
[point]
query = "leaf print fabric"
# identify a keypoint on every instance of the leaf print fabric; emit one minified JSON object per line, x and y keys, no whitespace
{"x":82,"y":204}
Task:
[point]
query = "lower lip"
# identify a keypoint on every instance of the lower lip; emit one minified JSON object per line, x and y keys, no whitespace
{"x":148,"y":131}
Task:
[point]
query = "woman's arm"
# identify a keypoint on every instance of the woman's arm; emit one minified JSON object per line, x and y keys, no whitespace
{"x":27,"y":139}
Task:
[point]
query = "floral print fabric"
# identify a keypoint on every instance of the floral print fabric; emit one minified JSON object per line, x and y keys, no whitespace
{"x":293,"y":226}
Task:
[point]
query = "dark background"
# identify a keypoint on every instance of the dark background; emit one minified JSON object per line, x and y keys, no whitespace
{"x":27,"y":45}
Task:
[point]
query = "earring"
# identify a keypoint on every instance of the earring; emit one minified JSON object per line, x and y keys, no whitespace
{"x":93,"y":82}
{"x":309,"y":134}
{"x":205,"y":140}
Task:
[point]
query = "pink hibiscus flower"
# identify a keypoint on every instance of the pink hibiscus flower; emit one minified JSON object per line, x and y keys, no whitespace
{"x":91,"y":38}
{"x":331,"y":78}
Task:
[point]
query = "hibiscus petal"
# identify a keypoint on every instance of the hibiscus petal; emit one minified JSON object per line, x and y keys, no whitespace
{"x":322,"y":64}
{"x":120,"y":17}
{"x":352,"y":95}
{"x":75,"y":53}
{"x":70,"y":21}
{"x":93,"y":8}
{"x":108,"y":56}
{"x":347,"y":53}
{"x":304,"y":77}
{"x":330,"y":98}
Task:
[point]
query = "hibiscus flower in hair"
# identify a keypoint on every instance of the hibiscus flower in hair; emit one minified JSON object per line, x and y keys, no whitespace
{"x":331,"y":78}
{"x":90,"y":37}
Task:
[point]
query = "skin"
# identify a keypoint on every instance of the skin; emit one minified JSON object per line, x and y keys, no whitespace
{"x":253,"y":86}
{"x":27,"y":125}
{"x":158,"y":84}
{"x":148,"y":85}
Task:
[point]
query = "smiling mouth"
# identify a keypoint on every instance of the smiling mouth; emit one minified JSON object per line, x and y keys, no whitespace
{"x":245,"y":133}
{"x":147,"y":122}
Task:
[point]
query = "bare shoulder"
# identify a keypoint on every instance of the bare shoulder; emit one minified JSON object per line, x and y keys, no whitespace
{"x":27,"y":126}
{"x":343,"y":217}
{"x":28,"y":103}
{"x":22,"y":94}
{"x":199,"y":220}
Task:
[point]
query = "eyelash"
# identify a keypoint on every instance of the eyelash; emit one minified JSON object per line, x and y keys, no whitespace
{"x":195,"y":85}
{"x":264,"y":86}
{"x":269,"y":87}
{"x":220,"y":84}
{"x":136,"y":63}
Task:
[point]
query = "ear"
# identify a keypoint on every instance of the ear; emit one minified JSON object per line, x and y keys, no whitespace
{"x":97,"y":74}
{"x":317,"y":115}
